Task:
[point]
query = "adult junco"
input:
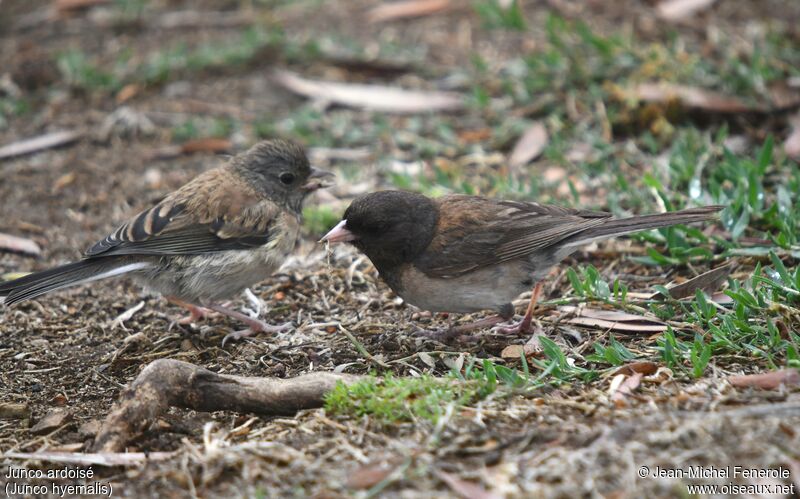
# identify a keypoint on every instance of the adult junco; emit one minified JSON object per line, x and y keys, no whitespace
{"x":468,"y":253}
{"x":222,"y":232}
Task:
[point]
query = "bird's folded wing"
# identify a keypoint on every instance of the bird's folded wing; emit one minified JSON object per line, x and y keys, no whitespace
{"x":476,"y":232}
{"x":212,"y":213}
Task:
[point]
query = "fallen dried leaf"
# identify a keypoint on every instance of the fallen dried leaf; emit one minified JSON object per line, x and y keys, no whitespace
{"x":99,"y":458}
{"x":767,"y":381}
{"x":708,"y":281}
{"x":210,"y":144}
{"x":643,"y":367}
{"x":16,"y":244}
{"x":373,"y":97}
{"x":692,"y":97}
{"x":369,"y":476}
{"x":625,"y":388}
{"x":52,"y":421}
{"x":36,"y":144}
{"x":406,"y":9}
{"x":614,"y":320}
{"x":467,"y":490}
{"x":427,"y":359}
{"x":675,"y":10}
{"x":69,"y":6}
{"x":792,"y":143}
{"x":529,"y":146}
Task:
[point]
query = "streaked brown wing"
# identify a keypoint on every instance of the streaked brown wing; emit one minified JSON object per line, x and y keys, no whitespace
{"x":214,"y":212}
{"x":475,"y":232}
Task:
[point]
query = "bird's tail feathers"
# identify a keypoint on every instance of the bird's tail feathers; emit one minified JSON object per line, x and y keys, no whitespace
{"x":71,"y":274}
{"x":622,"y":226}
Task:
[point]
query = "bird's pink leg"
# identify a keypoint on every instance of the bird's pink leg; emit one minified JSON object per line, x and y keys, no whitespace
{"x":253,"y":325}
{"x":524,"y":326}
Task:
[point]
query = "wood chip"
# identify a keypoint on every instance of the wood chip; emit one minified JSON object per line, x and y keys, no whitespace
{"x":40,"y":143}
{"x":708,"y":281}
{"x":406,"y":9}
{"x":15,"y":244}
{"x":676,"y":10}
{"x":691,"y":97}
{"x":512,"y":352}
{"x":529,"y":146}
{"x":767,"y":381}
{"x":97,"y":458}
{"x":51,"y":422}
{"x":11,"y":410}
{"x":373,"y":97}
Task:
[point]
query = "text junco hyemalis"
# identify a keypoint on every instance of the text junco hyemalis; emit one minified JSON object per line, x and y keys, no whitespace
{"x":222,"y":232}
{"x":468,"y":253}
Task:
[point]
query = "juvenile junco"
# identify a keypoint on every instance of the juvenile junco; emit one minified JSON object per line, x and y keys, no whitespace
{"x":222,"y":232}
{"x":468,"y":253}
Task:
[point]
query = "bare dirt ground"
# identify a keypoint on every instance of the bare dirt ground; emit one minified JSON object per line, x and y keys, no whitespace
{"x":66,"y":351}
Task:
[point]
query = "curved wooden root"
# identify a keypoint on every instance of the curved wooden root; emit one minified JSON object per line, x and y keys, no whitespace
{"x":167,"y":383}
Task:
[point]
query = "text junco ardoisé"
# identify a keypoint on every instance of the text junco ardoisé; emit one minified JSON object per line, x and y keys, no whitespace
{"x":222,"y":232}
{"x":468,"y":253}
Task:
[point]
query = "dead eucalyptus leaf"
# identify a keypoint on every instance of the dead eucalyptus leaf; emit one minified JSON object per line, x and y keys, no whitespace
{"x":644,"y":367}
{"x":708,"y":281}
{"x":792,"y":143}
{"x":529,"y":146}
{"x":625,"y":389}
{"x":15,"y":244}
{"x":676,"y":10}
{"x":374,"y":97}
{"x":465,"y":489}
{"x":40,"y":143}
{"x":691,"y":97}
{"x":614,"y":320}
{"x":767,"y":381}
{"x":369,"y":476}
{"x":406,"y":9}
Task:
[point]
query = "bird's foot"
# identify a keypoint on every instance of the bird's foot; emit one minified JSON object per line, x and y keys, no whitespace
{"x":195,"y":314}
{"x":521,"y":327}
{"x":459,"y":332}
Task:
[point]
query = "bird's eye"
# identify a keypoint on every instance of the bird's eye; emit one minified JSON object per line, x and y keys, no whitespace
{"x":287,"y":178}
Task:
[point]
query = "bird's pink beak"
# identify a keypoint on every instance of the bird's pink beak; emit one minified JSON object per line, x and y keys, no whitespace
{"x":338,"y":234}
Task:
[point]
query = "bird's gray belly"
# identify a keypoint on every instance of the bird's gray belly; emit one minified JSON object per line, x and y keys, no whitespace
{"x":487,"y":288}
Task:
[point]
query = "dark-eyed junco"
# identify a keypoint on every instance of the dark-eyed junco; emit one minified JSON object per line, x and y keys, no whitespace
{"x":222,"y":232}
{"x":468,"y":253}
